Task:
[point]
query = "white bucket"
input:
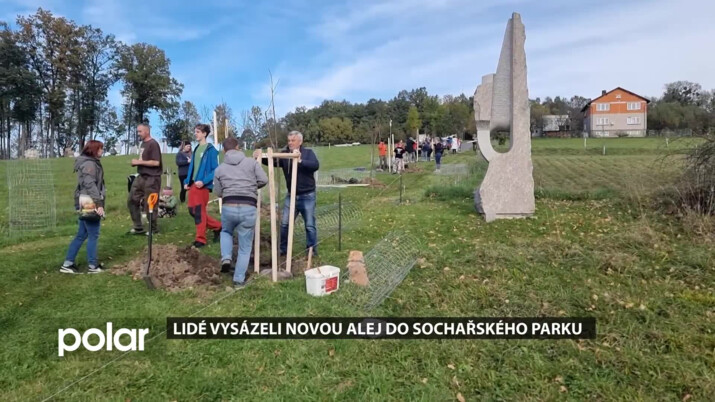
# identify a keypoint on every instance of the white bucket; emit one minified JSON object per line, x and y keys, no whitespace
{"x":322,"y":281}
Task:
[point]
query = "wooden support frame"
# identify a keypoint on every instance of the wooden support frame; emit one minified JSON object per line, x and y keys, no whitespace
{"x":257,"y":233}
{"x":218,"y":157}
{"x":291,"y":215}
{"x":272,"y":193}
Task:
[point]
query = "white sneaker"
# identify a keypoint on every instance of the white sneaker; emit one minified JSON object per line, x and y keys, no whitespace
{"x":96,"y":270}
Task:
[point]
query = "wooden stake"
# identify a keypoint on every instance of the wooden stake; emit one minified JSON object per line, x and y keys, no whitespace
{"x":310,"y":258}
{"x":257,"y":232}
{"x":272,"y":192}
{"x":218,"y":157}
{"x":291,"y":214}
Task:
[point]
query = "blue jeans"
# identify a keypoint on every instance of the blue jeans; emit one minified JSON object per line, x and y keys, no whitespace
{"x":87,"y":231}
{"x":243,"y":218}
{"x":438,"y":159}
{"x":304,"y":205}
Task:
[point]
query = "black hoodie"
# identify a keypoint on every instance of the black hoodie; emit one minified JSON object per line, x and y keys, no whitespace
{"x":308,"y":165}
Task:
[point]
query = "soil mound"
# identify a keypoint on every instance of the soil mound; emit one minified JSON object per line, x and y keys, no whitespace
{"x":175,"y":268}
{"x":374,"y":183}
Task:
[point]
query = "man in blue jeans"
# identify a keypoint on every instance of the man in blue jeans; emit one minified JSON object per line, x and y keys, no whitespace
{"x":237,"y":181}
{"x":305,"y":190}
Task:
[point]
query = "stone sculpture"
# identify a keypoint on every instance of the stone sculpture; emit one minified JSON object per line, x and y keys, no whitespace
{"x":501,"y":103}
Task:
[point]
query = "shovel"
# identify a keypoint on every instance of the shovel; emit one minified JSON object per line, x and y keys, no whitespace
{"x":151,"y":201}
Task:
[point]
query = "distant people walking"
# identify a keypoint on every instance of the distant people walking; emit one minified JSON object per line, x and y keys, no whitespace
{"x":199,"y":183}
{"x":148,"y":181}
{"x":382,"y":152}
{"x":183,"y":160}
{"x":438,"y":150}
{"x":410,"y":149}
{"x":455,"y":145}
{"x":237,"y":181}
{"x":399,"y":157}
{"x":426,"y":150}
{"x":89,"y":202}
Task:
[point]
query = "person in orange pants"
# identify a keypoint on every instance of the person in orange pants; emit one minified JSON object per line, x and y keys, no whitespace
{"x":199,"y":183}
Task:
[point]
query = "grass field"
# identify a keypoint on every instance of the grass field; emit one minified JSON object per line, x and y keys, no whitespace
{"x":594,"y":248}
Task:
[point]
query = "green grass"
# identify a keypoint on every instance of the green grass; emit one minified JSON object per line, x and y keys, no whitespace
{"x":591,"y":250}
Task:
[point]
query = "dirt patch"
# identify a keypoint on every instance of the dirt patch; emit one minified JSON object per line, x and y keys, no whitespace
{"x":414,"y":168}
{"x":374,"y":183}
{"x":299,"y":264}
{"x":175,"y":268}
{"x":266,"y":210}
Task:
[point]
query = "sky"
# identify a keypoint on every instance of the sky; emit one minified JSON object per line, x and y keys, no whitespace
{"x":223,"y":50}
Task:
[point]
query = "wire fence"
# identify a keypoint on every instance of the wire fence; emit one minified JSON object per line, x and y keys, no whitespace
{"x":329,"y":219}
{"x":454,"y":174}
{"x":31,"y":197}
{"x":387,"y":265}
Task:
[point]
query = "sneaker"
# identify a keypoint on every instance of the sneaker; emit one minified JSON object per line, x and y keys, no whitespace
{"x":198,"y":244}
{"x":69,"y":269}
{"x":225,"y":266}
{"x":96,"y":270}
{"x":136,"y":231}
{"x":217,"y":236}
{"x":239,"y":285}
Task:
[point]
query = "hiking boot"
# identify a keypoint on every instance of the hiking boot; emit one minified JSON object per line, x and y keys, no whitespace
{"x":198,"y":244}
{"x":225,"y":266}
{"x":69,"y":269}
{"x":217,"y":236}
{"x":135,"y":231}
{"x":96,"y":269}
{"x":239,"y":285}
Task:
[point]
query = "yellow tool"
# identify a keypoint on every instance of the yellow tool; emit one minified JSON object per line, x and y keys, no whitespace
{"x":151,"y":203}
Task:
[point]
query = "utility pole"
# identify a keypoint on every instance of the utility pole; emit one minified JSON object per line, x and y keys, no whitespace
{"x":391,"y":141}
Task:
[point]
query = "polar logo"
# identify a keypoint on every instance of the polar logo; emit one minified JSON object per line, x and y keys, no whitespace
{"x":111,"y":340}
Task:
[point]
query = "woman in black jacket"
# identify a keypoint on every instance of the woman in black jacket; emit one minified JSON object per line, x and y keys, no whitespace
{"x":89,"y":202}
{"x":183,"y":160}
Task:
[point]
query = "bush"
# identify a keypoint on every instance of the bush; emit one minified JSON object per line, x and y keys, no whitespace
{"x":695,"y":189}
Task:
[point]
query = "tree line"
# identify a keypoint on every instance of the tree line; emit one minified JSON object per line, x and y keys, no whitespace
{"x":55,"y":76}
{"x":407,"y":114}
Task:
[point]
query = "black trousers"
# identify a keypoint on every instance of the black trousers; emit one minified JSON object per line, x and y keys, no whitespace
{"x":182,"y":194}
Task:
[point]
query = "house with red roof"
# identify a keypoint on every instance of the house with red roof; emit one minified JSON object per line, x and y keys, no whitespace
{"x":616,"y":113}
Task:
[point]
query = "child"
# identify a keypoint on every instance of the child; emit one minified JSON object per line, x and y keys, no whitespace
{"x":167,"y":203}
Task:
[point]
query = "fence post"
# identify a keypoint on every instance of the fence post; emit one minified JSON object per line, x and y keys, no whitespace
{"x":340,"y":221}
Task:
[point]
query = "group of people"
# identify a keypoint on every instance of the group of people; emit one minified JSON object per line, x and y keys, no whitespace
{"x":236,"y":181}
{"x":408,"y":151}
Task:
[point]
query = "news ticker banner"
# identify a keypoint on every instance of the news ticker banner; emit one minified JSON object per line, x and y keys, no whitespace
{"x":380,"y":328}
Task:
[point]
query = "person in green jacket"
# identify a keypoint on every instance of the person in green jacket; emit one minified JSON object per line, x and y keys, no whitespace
{"x":199,"y":183}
